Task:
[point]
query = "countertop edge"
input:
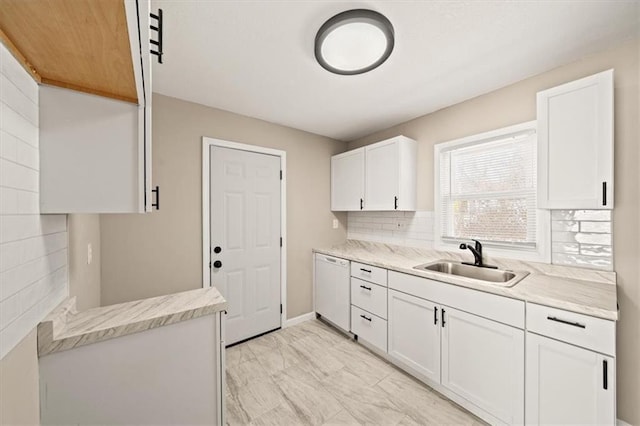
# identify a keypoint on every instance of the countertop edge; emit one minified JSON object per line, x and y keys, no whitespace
{"x":53,"y":335}
{"x":600,"y":313}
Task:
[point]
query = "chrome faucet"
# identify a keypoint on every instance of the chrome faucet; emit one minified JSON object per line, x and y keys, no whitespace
{"x":477,"y":255}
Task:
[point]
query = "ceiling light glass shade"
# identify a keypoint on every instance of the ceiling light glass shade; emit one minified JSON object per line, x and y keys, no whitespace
{"x":354,"y":42}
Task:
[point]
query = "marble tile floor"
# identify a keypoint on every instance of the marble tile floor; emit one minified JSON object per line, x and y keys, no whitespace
{"x":311,"y":374}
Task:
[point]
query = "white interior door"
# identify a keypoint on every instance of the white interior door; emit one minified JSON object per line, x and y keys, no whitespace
{"x":245,"y":230}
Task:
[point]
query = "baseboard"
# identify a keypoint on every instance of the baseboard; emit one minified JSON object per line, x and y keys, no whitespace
{"x":622,"y":423}
{"x":299,"y":319}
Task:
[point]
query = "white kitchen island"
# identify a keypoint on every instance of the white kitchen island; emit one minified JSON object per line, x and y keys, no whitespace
{"x":152,"y":361}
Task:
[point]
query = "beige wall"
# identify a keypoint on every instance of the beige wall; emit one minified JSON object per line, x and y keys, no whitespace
{"x":19,"y":392}
{"x":160,"y":253}
{"x":84,"y":279}
{"x":517,"y":103}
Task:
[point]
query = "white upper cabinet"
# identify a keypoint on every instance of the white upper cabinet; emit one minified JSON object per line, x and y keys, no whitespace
{"x":89,"y":154}
{"x":139,"y":18}
{"x":377,"y":177}
{"x":347,"y":181}
{"x":575,"y":144}
{"x":95,"y":151}
{"x":390,"y":175}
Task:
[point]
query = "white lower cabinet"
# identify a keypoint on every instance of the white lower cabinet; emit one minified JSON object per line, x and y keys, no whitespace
{"x":483,"y":362}
{"x":370,"y":297}
{"x":369,"y":304}
{"x":368,"y":327}
{"x":474,"y":358}
{"x":169,"y":375}
{"x":570,"y":369}
{"x":414,"y":333}
{"x":567,"y":384}
{"x":470,"y":345}
{"x":478,"y":359}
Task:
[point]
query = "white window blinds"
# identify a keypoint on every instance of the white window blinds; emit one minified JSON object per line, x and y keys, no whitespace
{"x":488,"y":191}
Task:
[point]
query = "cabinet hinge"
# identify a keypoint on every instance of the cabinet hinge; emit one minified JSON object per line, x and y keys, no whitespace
{"x":157,"y":203}
{"x":209,"y":265}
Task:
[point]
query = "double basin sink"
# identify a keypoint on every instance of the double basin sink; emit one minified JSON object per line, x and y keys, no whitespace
{"x":487,"y":275}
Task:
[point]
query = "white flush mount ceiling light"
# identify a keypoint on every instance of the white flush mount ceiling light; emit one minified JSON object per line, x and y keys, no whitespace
{"x":354,"y":42}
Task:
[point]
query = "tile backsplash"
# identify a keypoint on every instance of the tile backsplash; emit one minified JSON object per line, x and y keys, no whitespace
{"x":33,"y":247}
{"x":578,"y":237}
{"x":582,"y":238}
{"x":413,"y":229}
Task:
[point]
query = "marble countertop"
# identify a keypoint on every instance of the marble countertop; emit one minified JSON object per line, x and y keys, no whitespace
{"x":585,"y":291}
{"x":65,"y":328}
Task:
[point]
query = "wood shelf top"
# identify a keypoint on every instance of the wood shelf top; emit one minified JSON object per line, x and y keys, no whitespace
{"x":79,"y":45}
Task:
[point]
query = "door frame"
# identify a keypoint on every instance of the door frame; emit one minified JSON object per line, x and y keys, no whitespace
{"x":207,"y":143}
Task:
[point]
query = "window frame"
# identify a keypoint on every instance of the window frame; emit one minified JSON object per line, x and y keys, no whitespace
{"x":542,"y":251}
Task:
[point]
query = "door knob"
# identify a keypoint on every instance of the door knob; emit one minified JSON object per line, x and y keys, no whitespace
{"x":217,"y":264}
{"x":217,"y":249}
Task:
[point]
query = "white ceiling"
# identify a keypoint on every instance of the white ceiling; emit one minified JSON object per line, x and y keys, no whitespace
{"x":256,"y":57}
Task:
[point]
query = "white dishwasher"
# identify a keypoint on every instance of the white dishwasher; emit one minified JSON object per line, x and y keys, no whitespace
{"x":332,"y":290}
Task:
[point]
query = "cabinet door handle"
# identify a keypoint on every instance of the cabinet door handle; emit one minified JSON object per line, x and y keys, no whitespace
{"x":157,"y":203}
{"x":361,"y":203}
{"x":365,"y":287}
{"x":435,"y":315}
{"x":605,"y":374}
{"x":368,"y":319}
{"x":443,"y":321}
{"x":604,"y":193}
{"x":574,"y":324}
{"x":368,"y":271}
{"x":395,"y":203}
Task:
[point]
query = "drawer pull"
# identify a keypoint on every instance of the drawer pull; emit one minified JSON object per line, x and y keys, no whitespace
{"x":574,"y":324}
{"x":605,"y":374}
{"x":435,"y":315}
{"x":368,"y":319}
{"x":368,"y":271}
{"x":365,"y":287}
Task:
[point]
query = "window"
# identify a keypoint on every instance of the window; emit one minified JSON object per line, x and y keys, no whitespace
{"x":486,"y":190}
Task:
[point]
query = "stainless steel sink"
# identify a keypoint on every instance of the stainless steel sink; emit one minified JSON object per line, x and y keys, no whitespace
{"x":494,"y":276}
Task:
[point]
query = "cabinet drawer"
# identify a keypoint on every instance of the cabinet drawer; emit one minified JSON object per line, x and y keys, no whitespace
{"x":581,"y":330}
{"x":369,"y":273}
{"x":369,"y":328}
{"x":370,"y":297}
